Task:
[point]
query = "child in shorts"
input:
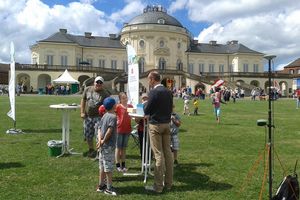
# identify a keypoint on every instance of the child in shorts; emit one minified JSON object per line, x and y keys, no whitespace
{"x":216,"y":101}
{"x":196,"y":105}
{"x":174,"y":126}
{"x":106,"y":144}
{"x":123,"y":131}
{"x":186,"y":106}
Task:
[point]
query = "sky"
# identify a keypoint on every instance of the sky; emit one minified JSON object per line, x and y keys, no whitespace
{"x":268,"y":26}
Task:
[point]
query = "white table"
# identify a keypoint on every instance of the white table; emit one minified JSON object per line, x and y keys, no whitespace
{"x":146,"y":160}
{"x":65,"y":108}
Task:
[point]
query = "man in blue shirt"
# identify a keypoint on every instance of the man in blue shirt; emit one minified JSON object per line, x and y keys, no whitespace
{"x":159,"y":109}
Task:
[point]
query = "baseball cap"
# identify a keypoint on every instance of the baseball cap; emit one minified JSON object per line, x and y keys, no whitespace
{"x":101,"y":110}
{"x":99,"y":78}
{"x":109,"y":103}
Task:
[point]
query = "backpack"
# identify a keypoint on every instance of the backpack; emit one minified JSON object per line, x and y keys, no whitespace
{"x":288,"y":188}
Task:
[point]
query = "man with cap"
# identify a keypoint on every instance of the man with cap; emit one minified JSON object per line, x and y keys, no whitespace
{"x":92,"y":99}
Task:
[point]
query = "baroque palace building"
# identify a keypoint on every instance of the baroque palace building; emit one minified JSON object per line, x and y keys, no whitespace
{"x":161,"y":43}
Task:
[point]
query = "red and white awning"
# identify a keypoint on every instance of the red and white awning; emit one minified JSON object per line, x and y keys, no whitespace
{"x":218,"y":83}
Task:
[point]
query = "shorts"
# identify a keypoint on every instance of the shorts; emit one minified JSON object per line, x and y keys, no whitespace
{"x":122,"y":140}
{"x":175,"y":142}
{"x":89,"y":129}
{"x":217,"y":111}
{"x":107,"y":158}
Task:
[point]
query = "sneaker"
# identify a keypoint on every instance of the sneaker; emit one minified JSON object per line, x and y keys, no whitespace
{"x":101,"y":188}
{"x":151,"y":188}
{"x":110,"y":191}
{"x":97,"y":157}
{"x":92,"y":154}
{"x":124,"y":169}
{"x":85,"y":154}
{"x":119,"y":169}
{"x":175,"y":162}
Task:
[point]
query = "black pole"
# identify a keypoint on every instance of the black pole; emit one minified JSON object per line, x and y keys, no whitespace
{"x":270,"y":132}
{"x":270,"y":125}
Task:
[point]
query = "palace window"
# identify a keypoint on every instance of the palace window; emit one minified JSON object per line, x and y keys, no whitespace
{"x":49,"y":59}
{"x":64,"y":60}
{"x":230,"y":68}
{"x":245,"y":67}
{"x":141,"y":65}
{"x":90,"y":61}
{"x":221,"y":68}
{"x":161,"y":43}
{"x":211,"y":68}
{"x":179,"y":65}
{"x":162,"y":63}
{"x":255,"y":67}
{"x":142,"y":43}
{"x":161,"y":21}
{"x":191,"y":68}
{"x":125,"y":65}
{"x":102,"y":63}
{"x":113,"y":64}
{"x":34,"y":60}
{"x":201,"y":68}
{"x":78,"y":60}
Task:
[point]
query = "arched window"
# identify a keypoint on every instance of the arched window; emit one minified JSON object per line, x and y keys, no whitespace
{"x":141,"y":65}
{"x":161,"y":21}
{"x":179,"y":65}
{"x":142,"y":43}
{"x":162,"y":63}
{"x":161,"y":43}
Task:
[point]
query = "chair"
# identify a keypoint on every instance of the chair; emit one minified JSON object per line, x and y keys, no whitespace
{"x":135,"y":137}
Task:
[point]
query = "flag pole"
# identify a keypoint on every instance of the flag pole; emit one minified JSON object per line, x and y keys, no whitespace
{"x":12,"y":92}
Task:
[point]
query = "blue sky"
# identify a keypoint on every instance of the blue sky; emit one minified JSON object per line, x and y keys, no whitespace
{"x":269,"y":26}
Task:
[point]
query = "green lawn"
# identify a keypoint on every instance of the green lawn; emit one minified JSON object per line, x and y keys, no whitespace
{"x":214,"y":159}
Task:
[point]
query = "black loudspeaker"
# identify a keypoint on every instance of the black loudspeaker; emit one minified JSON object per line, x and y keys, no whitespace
{"x":261,"y":122}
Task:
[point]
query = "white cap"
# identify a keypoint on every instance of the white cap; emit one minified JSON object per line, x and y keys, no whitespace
{"x":99,"y":78}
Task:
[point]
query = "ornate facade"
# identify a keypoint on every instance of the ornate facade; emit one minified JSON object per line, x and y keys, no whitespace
{"x":161,"y":43}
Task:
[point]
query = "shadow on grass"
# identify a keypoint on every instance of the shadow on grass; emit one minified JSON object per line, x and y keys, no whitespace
{"x":230,"y":124}
{"x":11,"y":165}
{"x":42,"y":130}
{"x":193,"y":180}
{"x":133,"y":157}
{"x":182,"y":130}
{"x":199,"y":114}
{"x":184,"y":173}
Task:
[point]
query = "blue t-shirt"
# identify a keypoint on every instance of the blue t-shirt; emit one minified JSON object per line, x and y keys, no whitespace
{"x":109,"y":120}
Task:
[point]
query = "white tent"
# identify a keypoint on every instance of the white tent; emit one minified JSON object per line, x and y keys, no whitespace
{"x":65,"y":78}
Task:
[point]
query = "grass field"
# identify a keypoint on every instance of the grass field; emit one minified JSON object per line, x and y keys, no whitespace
{"x":214,"y":158}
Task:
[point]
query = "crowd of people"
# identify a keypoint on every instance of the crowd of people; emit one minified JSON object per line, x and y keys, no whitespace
{"x":108,"y":119}
{"x":51,"y":89}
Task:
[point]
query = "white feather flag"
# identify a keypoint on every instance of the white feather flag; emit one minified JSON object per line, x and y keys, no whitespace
{"x":12,"y":85}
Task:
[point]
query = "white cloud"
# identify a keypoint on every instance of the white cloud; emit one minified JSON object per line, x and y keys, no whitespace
{"x":177,"y":5}
{"x":269,"y":26}
{"x":132,"y":9}
{"x":88,"y":1}
{"x":31,"y":20}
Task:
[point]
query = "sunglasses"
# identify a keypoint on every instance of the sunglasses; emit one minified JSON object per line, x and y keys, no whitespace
{"x":99,"y":82}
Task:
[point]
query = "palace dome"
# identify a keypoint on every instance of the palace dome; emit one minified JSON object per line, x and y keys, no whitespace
{"x":155,"y":15}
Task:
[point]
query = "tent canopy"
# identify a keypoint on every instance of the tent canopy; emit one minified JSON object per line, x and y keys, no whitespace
{"x":65,"y":78}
